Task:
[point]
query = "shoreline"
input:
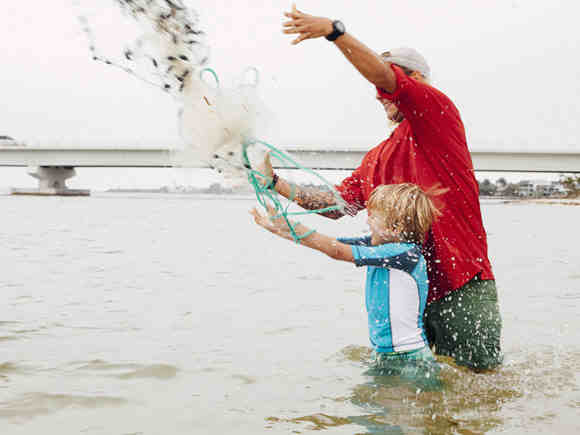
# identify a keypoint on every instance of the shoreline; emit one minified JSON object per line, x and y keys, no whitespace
{"x":546,"y":201}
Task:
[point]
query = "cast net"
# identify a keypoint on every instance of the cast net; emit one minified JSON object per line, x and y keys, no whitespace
{"x":163,"y":44}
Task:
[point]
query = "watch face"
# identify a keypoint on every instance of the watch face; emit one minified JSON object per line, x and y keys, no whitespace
{"x":339,"y":26}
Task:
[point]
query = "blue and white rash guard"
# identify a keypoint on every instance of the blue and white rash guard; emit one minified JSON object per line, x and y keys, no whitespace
{"x":395,"y":293}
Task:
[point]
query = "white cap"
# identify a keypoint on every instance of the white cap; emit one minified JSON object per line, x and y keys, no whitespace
{"x":409,"y":58}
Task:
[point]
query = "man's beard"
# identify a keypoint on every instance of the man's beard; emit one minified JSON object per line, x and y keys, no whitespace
{"x":393,"y":123}
{"x":395,"y":120}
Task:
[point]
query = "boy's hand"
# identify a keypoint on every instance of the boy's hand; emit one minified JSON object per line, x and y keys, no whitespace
{"x":276,"y":225}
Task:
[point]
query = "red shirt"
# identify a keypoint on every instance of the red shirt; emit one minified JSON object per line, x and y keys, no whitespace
{"x":429,"y":149}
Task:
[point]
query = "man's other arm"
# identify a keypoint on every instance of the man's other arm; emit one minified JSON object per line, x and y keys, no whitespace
{"x":309,"y":198}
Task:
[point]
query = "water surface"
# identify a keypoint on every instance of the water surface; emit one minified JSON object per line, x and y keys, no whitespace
{"x":153,"y":314}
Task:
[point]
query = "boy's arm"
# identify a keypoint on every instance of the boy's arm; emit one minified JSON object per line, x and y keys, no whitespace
{"x":358,"y":241}
{"x":325,"y":244}
{"x":320,"y":242}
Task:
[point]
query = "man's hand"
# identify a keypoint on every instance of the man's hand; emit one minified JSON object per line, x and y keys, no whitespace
{"x":276,"y":225}
{"x":265,"y":168}
{"x":307,"y":26}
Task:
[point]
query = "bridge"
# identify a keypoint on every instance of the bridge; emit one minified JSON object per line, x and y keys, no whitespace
{"x":52,"y":166}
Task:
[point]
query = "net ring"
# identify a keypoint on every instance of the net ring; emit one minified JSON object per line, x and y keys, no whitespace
{"x":256,"y":76}
{"x":214,"y":75}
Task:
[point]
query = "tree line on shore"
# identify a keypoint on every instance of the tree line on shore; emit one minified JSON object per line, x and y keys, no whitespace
{"x":567,"y":186}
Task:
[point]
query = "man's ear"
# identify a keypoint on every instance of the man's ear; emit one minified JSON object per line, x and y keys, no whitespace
{"x":417,"y":76}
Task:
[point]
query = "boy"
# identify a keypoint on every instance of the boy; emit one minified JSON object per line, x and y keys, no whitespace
{"x":399,"y":216}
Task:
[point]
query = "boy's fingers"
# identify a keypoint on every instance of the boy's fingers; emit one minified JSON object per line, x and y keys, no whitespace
{"x":258,"y":218}
{"x":271,"y":210}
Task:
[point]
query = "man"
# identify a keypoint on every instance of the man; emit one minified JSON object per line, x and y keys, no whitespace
{"x":427,"y":148}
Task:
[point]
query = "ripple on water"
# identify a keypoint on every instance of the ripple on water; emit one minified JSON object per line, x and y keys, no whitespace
{"x":282,"y":331}
{"x":245,"y":379}
{"x":130,"y":370}
{"x":11,"y":331}
{"x":32,"y":405}
{"x":358,"y":354}
{"x":569,"y":295}
{"x":310,"y":278}
{"x":10,"y":368}
{"x":9,"y":338}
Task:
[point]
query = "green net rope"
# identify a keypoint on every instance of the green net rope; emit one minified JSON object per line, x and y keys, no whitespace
{"x":265,"y":193}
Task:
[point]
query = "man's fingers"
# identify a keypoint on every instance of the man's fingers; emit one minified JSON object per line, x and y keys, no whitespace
{"x":296,"y":11}
{"x":293,"y":23}
{"x":302,"y":29}
{"x":302,"y":38}
{"x":293,"y":15}
{"x":267,"y":163}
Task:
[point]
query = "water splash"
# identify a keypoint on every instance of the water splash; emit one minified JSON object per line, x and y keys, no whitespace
{"x":469,"y":402}
{"x":167,"y":49}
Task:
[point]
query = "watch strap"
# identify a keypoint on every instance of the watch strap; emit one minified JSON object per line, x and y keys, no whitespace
{"x":337,"y":31}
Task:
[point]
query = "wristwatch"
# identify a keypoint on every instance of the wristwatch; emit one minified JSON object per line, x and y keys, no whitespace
{"x":272,"y":185}
{"x":338,"y":30}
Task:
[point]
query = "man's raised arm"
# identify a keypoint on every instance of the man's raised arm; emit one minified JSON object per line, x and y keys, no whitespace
{"x":365,"y":60}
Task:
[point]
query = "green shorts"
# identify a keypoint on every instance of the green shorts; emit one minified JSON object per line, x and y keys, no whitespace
{"x":466,"y":325}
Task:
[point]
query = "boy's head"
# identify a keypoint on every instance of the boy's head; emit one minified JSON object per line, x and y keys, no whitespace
{"x":400,"y":213}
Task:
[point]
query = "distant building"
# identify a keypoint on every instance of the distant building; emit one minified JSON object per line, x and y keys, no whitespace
{"x":553,"y":188}
{"x":539,"y":188}
{"x":525,"y":188}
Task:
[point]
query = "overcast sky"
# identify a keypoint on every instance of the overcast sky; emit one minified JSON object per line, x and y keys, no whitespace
{"x":511,"y":66}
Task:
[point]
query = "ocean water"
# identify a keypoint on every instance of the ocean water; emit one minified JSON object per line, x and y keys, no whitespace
{"x":166,"y":314}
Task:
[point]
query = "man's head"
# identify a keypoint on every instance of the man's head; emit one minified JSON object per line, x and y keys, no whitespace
{"x":410,"y":61}
{"x":413,"y":65}
{"x":400,"y":213}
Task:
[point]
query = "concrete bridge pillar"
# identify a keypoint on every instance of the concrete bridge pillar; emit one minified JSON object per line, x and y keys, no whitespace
{"x":51,"y":182}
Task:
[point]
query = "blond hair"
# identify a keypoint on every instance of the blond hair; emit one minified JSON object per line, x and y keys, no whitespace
{"x":407,"y":210}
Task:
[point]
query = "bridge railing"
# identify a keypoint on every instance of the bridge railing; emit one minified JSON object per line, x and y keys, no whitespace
{"x":53,"y":165}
